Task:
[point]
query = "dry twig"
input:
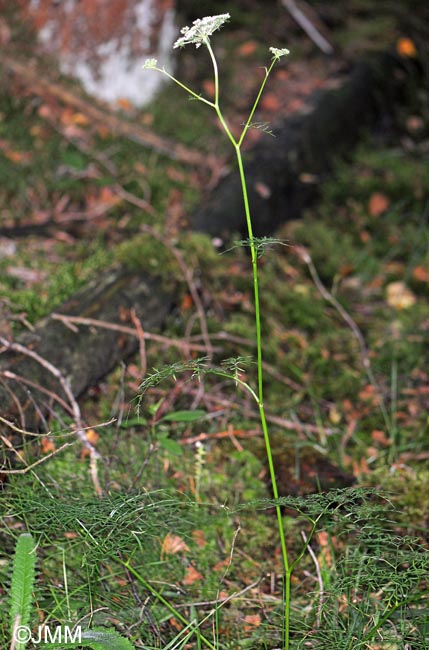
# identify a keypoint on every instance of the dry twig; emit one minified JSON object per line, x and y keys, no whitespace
{"x":80,"y":432}
{"x":29,"y":468}
{"x":309,"y":26}
{"x":319,"y":579}
{"x":69,"y":321}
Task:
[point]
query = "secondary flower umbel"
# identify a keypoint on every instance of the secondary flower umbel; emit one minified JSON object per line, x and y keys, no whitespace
{"x":278,"y":53}
{"x":201,"y":29}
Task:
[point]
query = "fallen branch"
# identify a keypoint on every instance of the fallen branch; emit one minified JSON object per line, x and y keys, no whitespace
{"x":150,"y":336}
{"x":309,"y":26}
{"x":36,"y":82}
{"x":29,"y":468}
{"x":77,"y":417}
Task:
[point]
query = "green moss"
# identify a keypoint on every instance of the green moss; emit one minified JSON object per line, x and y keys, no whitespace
{"x":57,"y":282}
{"x":408,"y":491}
{"x":330,"y":250}
{"x":147,"y":253}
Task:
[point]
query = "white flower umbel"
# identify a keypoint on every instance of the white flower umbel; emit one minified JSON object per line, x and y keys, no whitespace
{"x":278,"y":53}
{"x":150,"y":63}
{"x":201,"y":30}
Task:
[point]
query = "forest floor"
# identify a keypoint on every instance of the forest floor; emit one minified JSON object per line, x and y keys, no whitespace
{"x":185,"y":496}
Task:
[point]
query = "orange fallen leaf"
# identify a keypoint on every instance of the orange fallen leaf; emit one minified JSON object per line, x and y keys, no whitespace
{"x":199,"y":538}
{"x":247,"y":48}
{"x":45,"y":111}
{"x":252,"y":620}
{"x":372,"y":452}
{"x":361,"y":468}
{"x":92,"y":436}
{"x":175,"y":623}
{"x":368,"y":394}
{"x":124,"y":103}
{"x":406,"y":48}
{"x":47,"y":445}
{"x":323,"y":538}
{"x":209,"y":87}
{"x":378,"y":203}
{"x":221,"y":565}
{"x":270,"y":102}
{"x":173,"y":544}
{"x":187,"y":302}
{"x":18,"y":156}
{"x":80,"y":118}
{"x":421,"y":274}
{"x":109,"y":196}
{"x":380,"y":438}
{"x":192,"y":575}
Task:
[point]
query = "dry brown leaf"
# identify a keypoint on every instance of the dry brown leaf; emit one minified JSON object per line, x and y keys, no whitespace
{"x":47,"y":445}
{"x":378,"y":203}
{"x":199,"y":538}
{"x":192,"y":575}
{"x":247,"y":48}
{"x":209,"y":88}
{"x":173,"y":544}
{"x":421,"y":274}
{"x":124,"y":103}
{"x":80,"y":119}
{"x":270,"y":102}
{"x":252,"y":620}
{"x":92,"y":436}
{"x":380,"y":438}
{"x":406,"y":48}
{"x":221,"y":565}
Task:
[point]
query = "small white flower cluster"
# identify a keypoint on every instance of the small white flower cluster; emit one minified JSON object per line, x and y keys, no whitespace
{"x":150,"y":63}
{"x":278,"y":53}
{"x":201,"y":29}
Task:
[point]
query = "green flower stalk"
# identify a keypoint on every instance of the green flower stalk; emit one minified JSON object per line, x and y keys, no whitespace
{"x":199,"y":34}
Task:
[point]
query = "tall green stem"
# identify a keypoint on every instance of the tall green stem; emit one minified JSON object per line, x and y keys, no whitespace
{"x":268,"y":451}
{"x":260,"y":393}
